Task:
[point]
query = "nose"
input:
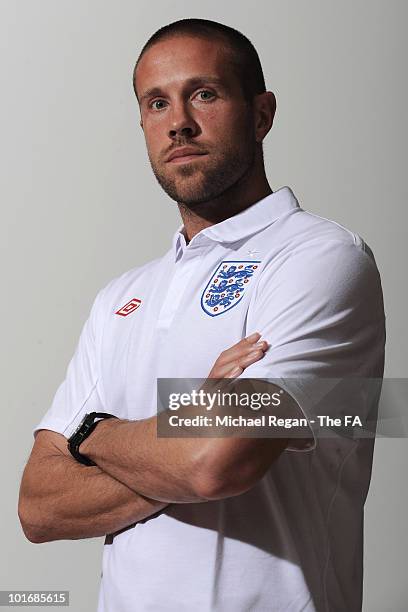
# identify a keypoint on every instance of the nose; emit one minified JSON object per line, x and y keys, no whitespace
{"x":181,"y":122}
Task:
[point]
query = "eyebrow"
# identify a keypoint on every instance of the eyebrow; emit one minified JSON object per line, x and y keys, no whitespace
{"x":193,"y":82}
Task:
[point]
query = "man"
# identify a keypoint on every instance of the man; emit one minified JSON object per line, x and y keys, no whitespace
{"x":228,"y":524}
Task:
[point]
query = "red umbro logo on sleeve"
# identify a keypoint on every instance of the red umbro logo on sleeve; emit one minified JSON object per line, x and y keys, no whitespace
{"x":129,"y":307}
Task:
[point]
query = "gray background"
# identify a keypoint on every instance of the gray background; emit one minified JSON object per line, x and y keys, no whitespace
{"x":80,"y":205}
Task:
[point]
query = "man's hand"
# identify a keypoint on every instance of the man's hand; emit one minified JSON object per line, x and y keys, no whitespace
{"x":233,"y":361}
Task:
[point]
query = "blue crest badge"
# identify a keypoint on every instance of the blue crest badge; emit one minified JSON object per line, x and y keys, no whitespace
{"x":227,"y":285}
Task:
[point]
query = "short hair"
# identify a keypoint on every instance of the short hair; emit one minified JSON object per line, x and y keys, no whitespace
{"x":244,"y":55}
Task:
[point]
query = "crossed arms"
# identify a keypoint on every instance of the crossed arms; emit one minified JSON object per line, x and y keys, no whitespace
{"x":137,"y":473}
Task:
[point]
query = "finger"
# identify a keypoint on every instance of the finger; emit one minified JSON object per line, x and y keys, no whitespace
{"x":246,"y":350}
{"x":252,"y":357}
{"x":240,"y":349}
{"x":223,"y":370}
{"x":236,"y":371}
{"x":248,"y":341}
{"x":252,"y":338}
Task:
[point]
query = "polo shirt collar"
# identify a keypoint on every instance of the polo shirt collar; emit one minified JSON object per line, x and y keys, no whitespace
{"x":244,"y":224}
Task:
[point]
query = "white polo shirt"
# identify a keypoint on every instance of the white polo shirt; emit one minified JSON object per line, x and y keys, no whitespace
{"x":311,"y":288}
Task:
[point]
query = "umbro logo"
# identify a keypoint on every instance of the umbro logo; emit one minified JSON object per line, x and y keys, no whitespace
{"x":129,"y":307}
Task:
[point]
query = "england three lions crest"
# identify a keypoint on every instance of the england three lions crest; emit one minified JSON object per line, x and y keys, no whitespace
{"x":227,"y":286}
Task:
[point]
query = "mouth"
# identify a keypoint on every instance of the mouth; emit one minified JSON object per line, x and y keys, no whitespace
{"x":184,"y":155}
{"x":183,"y":159}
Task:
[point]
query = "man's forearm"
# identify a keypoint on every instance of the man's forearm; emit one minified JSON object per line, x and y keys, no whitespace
{"x":177,"y":470}
{"x":131,"y":452}
{"x":185,"y":469}
{"x":62,"y":499}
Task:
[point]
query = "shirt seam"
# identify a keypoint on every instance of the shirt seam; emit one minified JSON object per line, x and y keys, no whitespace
{"x":343,"y":227}
{"x":82,"y":406}
{"x":329,"y":511}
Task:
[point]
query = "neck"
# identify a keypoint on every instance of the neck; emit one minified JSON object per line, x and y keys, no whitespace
{"x":243,"y":194}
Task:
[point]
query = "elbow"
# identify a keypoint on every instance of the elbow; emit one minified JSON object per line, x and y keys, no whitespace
{"x":29,"y":531}
{"x":208,"y":488}
{"x":33,"y":536}
{"x":214,"y":483}
{"x":32,"y":529}
{"x":234,"y":467}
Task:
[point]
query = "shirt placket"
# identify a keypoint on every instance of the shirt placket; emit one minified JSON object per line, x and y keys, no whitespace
{"x":184,"y":270}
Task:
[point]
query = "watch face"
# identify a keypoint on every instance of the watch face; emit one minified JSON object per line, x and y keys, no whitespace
{"x":85,"y":425}
{"x":79,"y":426}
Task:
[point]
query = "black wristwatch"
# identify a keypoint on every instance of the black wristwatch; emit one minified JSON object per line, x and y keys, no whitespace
{"x":84,"y":429}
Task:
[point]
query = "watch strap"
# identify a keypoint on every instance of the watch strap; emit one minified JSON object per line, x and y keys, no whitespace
{"x":84,"y":429}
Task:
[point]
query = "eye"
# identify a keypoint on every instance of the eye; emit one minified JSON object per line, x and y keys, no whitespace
{"x":205,"y":95}
{"x":157,"y":104}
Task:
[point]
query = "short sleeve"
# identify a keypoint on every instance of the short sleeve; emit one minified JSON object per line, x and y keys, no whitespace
{"x":321,"y":310}
{"x":79,"y":393}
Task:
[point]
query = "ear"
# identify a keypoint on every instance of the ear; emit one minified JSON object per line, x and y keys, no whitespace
{"x":264,"y":110}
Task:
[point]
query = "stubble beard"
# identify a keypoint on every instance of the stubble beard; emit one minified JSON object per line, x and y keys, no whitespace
{"x":193,"y":186}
